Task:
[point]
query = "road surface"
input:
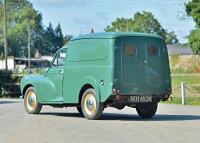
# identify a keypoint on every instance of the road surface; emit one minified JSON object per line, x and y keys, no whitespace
{"x":172,"y":124}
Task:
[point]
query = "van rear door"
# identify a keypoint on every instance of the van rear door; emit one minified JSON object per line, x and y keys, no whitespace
{"x":153,"y":65}
{"x":139,"y":65}
{"x":128,"y":64}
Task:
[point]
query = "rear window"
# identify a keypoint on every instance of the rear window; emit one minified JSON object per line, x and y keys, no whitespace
{"x":129,"y":49}
{"x":153,"y":50}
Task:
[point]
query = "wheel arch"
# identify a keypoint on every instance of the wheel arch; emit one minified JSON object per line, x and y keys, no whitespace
{"x":89,"y":82}
{"x":83,"y":89}
{"x":25,"y":88}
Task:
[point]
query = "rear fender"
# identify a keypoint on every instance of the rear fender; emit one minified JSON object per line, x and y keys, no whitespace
{"x":91,"y":81}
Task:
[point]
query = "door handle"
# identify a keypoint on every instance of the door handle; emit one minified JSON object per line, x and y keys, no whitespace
{"x":145,"y":61}
{"x":60,"y":72}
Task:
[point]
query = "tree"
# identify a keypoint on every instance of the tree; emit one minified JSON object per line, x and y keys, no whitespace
{"x":142,"y":22}
{"x":67,"y":38}
{"x":53,"y":39}
{"x":171,"y":38}
{"x":21,"y":14}
{"x":192,"y":10}
{"x":194,"y":39}
{"x":59,"y":39}
{"x":120,"y":25}
{"x":1,"y":29}
{"x":48,"y":40}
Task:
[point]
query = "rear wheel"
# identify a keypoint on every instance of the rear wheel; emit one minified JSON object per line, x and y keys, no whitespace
{"x":91,"y":107}
{"x":146,"y":110}
{"x":31,"y":103}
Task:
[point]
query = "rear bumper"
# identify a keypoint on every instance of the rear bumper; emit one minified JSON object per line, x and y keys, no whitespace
{"x":127,"y":98}
{"x":156,"y":93}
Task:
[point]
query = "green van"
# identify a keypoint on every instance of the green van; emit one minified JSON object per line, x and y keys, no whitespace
{"x":99,"y":70}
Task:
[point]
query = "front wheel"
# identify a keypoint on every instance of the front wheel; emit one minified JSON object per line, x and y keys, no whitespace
{"x":146,"y":110}
{"x":79,"y":110}
{"x":31,"y":103}
{"x":91,"y":107}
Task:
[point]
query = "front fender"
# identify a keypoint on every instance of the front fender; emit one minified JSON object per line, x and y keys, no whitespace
{"x":44,"y":87}
{"x":30,"y":80}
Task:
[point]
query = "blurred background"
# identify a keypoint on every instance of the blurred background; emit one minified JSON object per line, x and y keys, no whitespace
{"x":31,"y":31}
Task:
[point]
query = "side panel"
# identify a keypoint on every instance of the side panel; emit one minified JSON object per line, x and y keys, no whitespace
{"x":87,"y":50}
{"x":85,"y":66}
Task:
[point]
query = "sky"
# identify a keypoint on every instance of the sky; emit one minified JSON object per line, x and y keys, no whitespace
{"x":79,"y":16}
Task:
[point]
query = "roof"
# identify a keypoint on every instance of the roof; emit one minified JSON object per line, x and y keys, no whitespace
{"x":112,"y":35}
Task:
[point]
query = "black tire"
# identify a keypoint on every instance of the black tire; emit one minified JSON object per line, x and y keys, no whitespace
{"x":79,"y":110}
{"x":95,"y":111}
{"x":31,"y":103}
{"x":146,"y":110}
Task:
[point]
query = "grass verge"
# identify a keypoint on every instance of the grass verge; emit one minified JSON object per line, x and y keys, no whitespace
{"x":189,"y":100}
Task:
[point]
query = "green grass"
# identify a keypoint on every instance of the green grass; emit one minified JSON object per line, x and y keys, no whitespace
{"x":192,"y":92}
{"x":189,"y":100}
{"x":176,"y":80}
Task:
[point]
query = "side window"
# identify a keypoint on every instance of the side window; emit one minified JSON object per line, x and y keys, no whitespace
{"x":129,"y":49}
{"x":153,"y":50}
{"x":60,"y":58}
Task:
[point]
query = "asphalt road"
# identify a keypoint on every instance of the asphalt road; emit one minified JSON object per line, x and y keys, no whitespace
{"x":172,"y":124}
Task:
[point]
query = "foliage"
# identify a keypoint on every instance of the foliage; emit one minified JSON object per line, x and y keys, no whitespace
{"x":1,"y":56}
{"x":53,"y":39}
{"x":195,"y":64}
{"x":22,"y":15}
{"x":1,"y":28}
{"x":192,"y":9}
{"x":142,"y":22}
{"x":174,"y":59}
{"x":184,"y":64}
{"x":171,"y":38}
{"x":195,"y":41}
{"x":10,"y":88}
{"x":7,"y":76}
{"x":67,"y":38}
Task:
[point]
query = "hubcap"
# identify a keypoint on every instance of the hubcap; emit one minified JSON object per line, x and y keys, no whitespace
{"x":31,"y":100}
{"x":90,"y":104}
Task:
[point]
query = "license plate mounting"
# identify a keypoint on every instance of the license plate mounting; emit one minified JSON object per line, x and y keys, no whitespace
{"x":140,"y":99}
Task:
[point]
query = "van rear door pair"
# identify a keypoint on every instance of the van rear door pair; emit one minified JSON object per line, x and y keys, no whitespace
{"x":139,"y":64}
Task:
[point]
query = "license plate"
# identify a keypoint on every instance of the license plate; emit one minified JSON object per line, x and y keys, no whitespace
{"x":140,"y":99}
